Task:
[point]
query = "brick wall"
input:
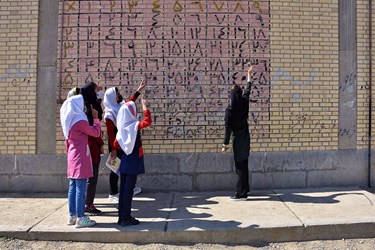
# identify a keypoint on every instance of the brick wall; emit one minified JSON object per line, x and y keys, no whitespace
{"x":296,"y":107}
{"x":363,"y":71}
{"x":295,"y":103}
{"x":188,"y":52}
{"x":304,"y":59}
{"x":18,"y":56}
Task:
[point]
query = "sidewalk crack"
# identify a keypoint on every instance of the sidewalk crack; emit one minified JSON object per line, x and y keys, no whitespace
{"x":169,"y":213}
{"x":37,"y":223}
{"x":284,"y":203}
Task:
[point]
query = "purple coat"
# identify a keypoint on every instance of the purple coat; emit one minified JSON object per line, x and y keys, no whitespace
{"x":77,"y":148}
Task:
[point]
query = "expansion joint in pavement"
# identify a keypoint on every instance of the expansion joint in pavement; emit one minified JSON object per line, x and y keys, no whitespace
{"x":286,"y":205}
{"x":169,"y":212}
{"x":45,"y":217}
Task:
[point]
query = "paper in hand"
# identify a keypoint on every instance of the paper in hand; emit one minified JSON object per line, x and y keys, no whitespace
{"x":113,"y":164}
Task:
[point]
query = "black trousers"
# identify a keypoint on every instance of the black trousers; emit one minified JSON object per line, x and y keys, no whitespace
{"x":127,"y":185}
{"x":91,"y":185}
{"x":113,"y":183}
{"x":242,"y":170}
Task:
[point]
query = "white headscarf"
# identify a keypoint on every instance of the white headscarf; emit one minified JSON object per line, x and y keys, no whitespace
{"x":111,"y":107}
{"x":127,"y":125}
{"x":71,"y":112}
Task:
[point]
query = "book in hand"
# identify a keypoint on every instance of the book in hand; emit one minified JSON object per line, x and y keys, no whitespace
{"x":113,"y":164}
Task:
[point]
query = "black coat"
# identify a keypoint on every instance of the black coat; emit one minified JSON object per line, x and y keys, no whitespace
{"x":236,"y":115}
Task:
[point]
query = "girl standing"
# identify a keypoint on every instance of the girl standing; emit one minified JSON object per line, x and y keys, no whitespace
{"x":112,"y":103}
{"x":128,"y":139}
{"x":236,"y":115}
{"x":91,"y":93}
{"x":76,"y":130}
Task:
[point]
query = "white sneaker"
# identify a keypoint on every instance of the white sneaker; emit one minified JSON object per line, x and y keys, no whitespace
{"x":72,"y":220}
{"x":85,"y":222}
{"x":113,"y":198}
{"x":137,"y":190}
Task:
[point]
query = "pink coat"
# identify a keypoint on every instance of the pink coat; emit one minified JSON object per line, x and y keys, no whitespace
{"x":77,"y":148}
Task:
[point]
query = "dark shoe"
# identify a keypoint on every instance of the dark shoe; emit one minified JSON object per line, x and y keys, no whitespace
{"x":119,"y":221}
{"x":129,"y":222}
{"x":92,"y":210}
{"x":236,"y":197}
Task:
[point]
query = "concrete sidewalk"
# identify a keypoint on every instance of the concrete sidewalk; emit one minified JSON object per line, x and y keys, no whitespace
{"x":200,"y":217}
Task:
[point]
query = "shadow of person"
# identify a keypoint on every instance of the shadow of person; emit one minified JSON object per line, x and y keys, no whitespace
{"x":315,"y":196}
{"x":178,"y":211}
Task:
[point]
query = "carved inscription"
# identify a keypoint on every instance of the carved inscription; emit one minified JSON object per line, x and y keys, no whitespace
{"x":188,"y":51}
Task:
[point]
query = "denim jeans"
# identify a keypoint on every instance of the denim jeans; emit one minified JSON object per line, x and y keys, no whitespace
{"x":76,"y":197}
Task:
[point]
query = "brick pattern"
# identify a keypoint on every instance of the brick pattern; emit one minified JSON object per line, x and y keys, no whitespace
{"x":18,"y":56}
{"x":188,"y":52}
{"x":304,"y":76}
{"x":302,"y":108}
{"x":303,"y":93}
{"x":363,"y":81}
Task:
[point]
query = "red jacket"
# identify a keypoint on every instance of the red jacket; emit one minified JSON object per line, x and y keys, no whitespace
{"x":95,"y":144}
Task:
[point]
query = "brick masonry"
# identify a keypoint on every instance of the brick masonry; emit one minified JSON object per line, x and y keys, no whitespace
{"x":189,"y":52}
{"x":18,"y":54}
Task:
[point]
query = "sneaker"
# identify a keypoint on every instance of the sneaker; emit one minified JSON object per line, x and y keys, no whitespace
{"x":72,"y":220}
{"x":137,"y":190}
{"x":113,"y":197}
{"x":129,"y":222}
{"x":236,"y":197}
{"x":85,"y":222}
{"x":92,"y":210}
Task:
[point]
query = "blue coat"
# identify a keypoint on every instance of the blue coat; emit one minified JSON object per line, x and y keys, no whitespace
{"x":134,"y":163}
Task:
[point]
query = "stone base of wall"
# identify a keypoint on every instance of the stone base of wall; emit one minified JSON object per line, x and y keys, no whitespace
{"x":198,"y":171}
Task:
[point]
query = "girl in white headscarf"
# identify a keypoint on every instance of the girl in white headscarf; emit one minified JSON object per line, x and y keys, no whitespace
{"x":76,"y":130}
{"x":128,"y":139}
{"x":112,"y":103}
